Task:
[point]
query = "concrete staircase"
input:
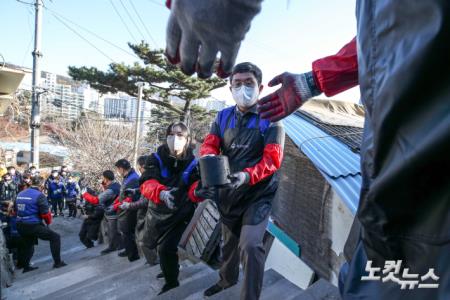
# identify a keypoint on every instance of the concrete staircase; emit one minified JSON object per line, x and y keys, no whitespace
{"x":92,"y":276}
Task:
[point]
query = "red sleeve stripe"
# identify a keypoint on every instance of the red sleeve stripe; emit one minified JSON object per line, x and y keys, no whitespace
{"x":268,"y":165}
{"x":90,"y":198}
{"x":151,"y":189}
{"x":211,"y":145}
{"x":47,"y":218}
{"x":337,"y":73}
{"x":191,"y":193}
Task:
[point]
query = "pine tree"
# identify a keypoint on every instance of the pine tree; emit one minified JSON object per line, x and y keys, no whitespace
{"x":165,"y":81}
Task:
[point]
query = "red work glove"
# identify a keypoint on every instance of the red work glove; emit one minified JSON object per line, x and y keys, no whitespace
{"x":116,"y":204}
{"x":295,"y":90}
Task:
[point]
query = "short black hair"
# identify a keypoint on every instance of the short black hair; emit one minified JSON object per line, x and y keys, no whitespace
{"x":10,"y":168}
{"x":64,"y":167}
{"x":142,"y":160}
{"x":247,"y":67}
{"x":123,"y":163}
{"x":183,"y":127}
{"x":37,"y":181}
{"x":32,"y":167}
{"x":108,"y":174}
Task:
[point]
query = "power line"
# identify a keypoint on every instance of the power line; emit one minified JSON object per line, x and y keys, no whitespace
{"x":157,"y":3}
{"x":122,"y":20}
{"x":91,"y":32}
{"x":143,"y":24}
{"x":131,"y":18}
{"x":24,"y":2}
{"x":83,"y":38}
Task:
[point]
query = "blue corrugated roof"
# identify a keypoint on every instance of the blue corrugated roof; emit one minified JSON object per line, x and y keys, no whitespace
{"x":338,"y":164}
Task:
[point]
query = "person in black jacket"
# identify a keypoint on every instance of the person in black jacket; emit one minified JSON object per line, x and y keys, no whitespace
{"x":15,"y":175}
{"x":8,"y":188}
{"x":170,"y":184}
{"x":127,"y":219}
{"x":140,"y":207}
{"x":91,"y":224}
{"x":111,"y":190}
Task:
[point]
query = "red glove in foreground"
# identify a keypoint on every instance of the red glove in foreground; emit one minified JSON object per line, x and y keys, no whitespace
{"x":330,"y":75}
{"x":295,"y":89}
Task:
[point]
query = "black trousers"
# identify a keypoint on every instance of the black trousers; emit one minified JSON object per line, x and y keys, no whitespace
{"x":57,"y":204}
{"x":127,"y":226}
{"x":89,"y":232}
{"x":16,"y":245}
{"x":31,"y":232}
{"x":72,"y":205}
{"x":168,"y":252}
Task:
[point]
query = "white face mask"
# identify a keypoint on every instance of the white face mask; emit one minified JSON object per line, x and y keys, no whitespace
{"x":245,"y":96}
{"x":12,"y":172}
{"x":176,"y":143}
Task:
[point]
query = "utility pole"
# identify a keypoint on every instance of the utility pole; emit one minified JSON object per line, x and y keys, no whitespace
{"x":35,"y":107}
{"x":137,"y":129}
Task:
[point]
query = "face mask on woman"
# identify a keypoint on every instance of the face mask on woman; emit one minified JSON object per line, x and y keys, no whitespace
{"x":176,"y":144}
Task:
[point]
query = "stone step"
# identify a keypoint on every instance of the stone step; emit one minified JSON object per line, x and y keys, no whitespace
{"x":71,"y":256}
{"x":90,"y":257}
{"x":192,"y":289}
{"x":53,"y":280}
{"x":320,"y":290}
{"x":282,"y":289}
{"x":270,"y":277}
{"x":139,"y":284}
{"x":111,"y":285}
{"x":102,"y":277}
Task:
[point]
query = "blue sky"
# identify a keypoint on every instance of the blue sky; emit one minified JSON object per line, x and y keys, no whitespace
{"x":285,"y":36}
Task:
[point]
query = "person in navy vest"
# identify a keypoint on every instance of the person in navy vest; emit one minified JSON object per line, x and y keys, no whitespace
{"x":64,"y":176}
{"x":170,"y":183}
{"x":106,"y":199}
{"x":127,"y":218}
{"x":254,"y":148}
{"x":55,"y":191}
{"x":72,"y":193}
{"x":32,"y":211}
